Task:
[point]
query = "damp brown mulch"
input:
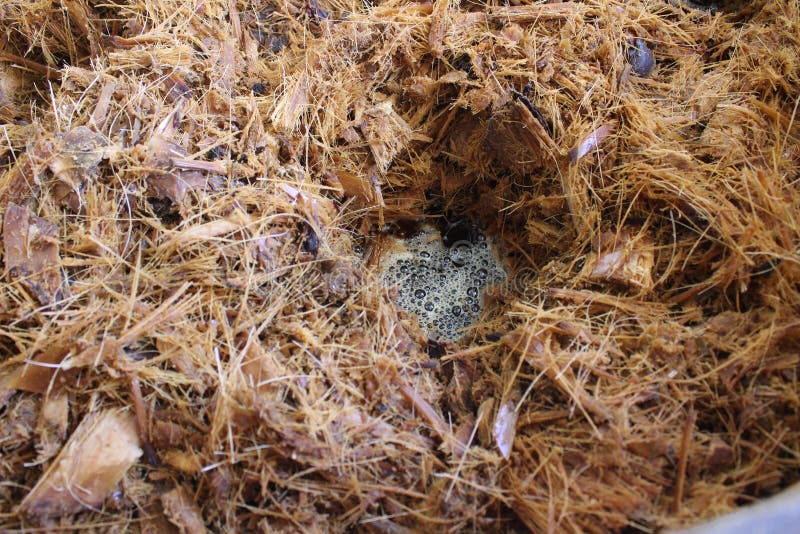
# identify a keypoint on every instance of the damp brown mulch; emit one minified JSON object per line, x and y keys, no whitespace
{"x":192,"y":332}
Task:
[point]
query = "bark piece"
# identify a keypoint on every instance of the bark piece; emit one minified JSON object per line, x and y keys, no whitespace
{"x":505,"y":428}
{"x":624,"y":259}
{"x":102,"y":449}
{"x":182,"y":511}
{"x":31,"y":253}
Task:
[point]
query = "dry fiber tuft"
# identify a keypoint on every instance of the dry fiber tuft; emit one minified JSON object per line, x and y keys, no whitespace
{"x":192,"y":197}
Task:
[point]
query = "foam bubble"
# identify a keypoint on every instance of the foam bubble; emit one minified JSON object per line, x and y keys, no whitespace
{"x":441,"y":285}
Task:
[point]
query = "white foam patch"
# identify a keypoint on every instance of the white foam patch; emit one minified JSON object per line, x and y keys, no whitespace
{"x":442,"y":286}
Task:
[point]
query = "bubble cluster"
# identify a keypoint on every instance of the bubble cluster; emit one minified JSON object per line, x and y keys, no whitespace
{"x":442,"y":285}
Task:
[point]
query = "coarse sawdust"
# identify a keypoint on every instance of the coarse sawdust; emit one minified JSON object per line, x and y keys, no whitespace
{"x":192,"y":196}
